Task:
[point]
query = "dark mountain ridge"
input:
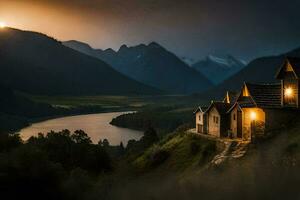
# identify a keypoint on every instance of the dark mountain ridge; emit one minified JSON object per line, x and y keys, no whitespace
{"x":151,"y":64}
{"x":37,"y":64}
{"x":16,"y":110}
{"x":260,"y":70}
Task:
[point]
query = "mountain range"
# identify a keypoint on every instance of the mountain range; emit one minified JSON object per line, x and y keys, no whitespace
{"x":150,"y":64}
{"x":260,"y":70}
{"x":218,"y":69}
{"x":38,"y":64}
{"x":35,"y":63}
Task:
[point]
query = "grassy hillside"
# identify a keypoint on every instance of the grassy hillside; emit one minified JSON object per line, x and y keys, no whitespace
{"x":37,"y":64}
{"x":176,"y":168}
{"x":177,"y":152}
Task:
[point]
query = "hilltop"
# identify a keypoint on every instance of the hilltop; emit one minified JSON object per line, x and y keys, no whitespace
{"x":37,"y":64}
{"x":183,"y":161}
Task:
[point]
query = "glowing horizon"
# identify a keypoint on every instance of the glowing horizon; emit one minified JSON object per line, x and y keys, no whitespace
{"x":2,"y":24}
{"x":197,"y":32}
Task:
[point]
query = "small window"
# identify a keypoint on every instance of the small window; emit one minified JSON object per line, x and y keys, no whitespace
{"x":234,"y":116}
{"x":200,"y":117}
{"x":217,"y":120}
{"x":214,"y":119}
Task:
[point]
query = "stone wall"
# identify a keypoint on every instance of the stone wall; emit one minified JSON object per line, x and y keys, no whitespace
{"x":213,"y":127}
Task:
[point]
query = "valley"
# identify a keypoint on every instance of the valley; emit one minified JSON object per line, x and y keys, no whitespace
{"x":154,"y":102}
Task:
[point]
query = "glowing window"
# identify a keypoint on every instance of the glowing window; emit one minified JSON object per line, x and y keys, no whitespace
{"x":288,"y":92}
{"x":252,"y":115}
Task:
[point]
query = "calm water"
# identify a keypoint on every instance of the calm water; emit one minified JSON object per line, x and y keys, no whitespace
{"x":95,"y":125}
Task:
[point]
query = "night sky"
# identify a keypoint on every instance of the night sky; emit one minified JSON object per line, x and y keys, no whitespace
{"x":245,"y":29}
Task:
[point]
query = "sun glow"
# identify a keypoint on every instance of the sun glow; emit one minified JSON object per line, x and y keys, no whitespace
{"x":2,"y":24}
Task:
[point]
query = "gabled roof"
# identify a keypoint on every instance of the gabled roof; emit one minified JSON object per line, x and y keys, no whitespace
{"x":262,"y":95}
{"x":246,"y":102}
{"x":220,"y":106}
{"x":233,"y":106}
{"x":294,"y":63}
{"x":199,"y":109}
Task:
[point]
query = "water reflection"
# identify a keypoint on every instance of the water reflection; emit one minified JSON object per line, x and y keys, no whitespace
{"x":95,"y":125}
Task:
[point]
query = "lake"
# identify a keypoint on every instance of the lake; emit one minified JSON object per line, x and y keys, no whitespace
{"x":95,"y":125}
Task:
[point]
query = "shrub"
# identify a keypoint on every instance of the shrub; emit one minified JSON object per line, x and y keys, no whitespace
{"x":158,"y":157}
{"x":194,"y":148}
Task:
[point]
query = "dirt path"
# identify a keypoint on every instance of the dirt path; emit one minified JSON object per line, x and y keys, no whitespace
{"x":232,"y":150}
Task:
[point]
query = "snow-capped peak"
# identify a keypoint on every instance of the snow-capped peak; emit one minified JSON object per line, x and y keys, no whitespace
{"x":228,"y":61}
{"x":219,"y":60}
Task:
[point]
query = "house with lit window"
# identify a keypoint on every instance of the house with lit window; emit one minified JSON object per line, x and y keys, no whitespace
{"x":257,"y":109}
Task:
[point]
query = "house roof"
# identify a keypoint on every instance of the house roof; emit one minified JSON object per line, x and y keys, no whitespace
{"x":295,"y":64}
{"x":200,"y":109}
{"x":262,"y":95}
{"x":233,"y":106}
{"x":221,"y":107}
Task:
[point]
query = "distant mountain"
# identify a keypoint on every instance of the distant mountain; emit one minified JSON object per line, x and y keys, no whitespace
{"x":260,"y":70}
{"x":35,"y":63}
{"x":218,"y":69}
{"x":150,"y":64}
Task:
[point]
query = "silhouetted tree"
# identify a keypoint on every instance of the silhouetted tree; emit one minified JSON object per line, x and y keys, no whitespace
{"x":130,"y":144}
{"x":121,"y":148}
{"x":8,"y":142}
{"x":105,"y":143}
{"x":150,"y":137}
{"x":80,"y":137}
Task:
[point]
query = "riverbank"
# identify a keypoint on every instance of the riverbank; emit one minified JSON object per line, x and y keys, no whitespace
{"x":69,"y":106}
{"x":68,"y":113}
{"x":164,"y":119}
{"x":97,"y":127}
